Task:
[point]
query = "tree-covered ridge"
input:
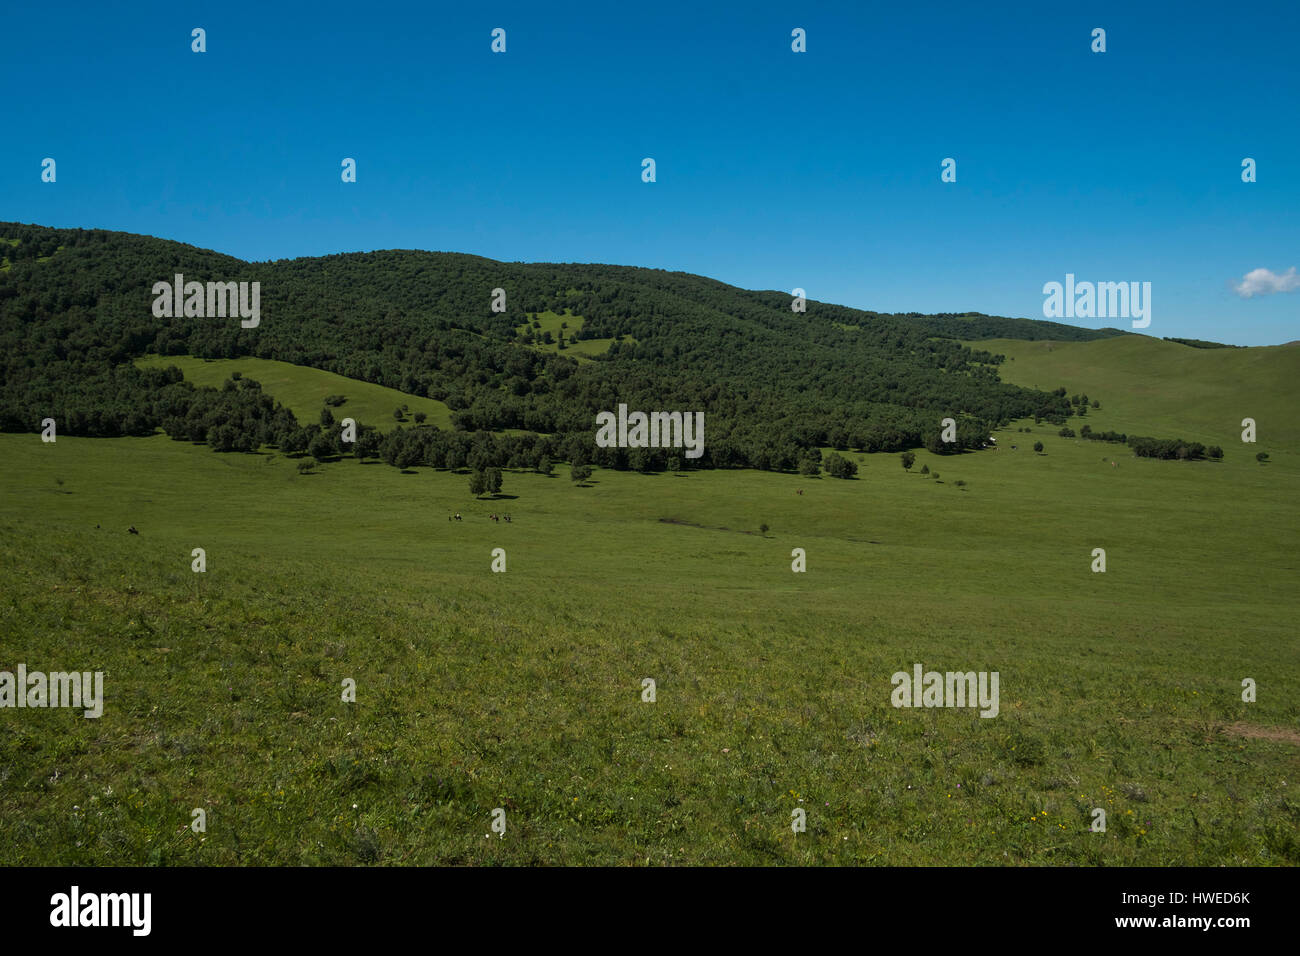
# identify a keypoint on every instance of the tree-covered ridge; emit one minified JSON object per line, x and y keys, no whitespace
{"x":1201,"y":343}
{"x":774,"y":383}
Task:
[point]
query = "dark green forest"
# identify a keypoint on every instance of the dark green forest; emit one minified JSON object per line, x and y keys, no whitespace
{"x":775,"y":385}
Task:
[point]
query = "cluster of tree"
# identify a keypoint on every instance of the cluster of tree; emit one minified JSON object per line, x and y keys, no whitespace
{"x":1165,"y":448}
{"x":1118,"y":437}
{"x":236,"y":417}
{"x":971,"y":433}
{"x":1168,"y":448}
{"x":485,"y":481}
{"x":774,"y":384}
{"x":33,"y":242}
{"x":837,"y":466}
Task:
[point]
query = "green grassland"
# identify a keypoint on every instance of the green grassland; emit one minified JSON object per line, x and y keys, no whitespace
{"x":553,"y":322}
{"x":1167,"y":390}
{"x":522,"y":690}
{"x":302,"y":390}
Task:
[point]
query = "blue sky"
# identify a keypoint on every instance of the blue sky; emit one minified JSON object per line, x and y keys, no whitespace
{"x":775,"y":170}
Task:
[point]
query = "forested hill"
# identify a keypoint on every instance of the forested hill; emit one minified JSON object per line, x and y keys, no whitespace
{"x":76,"y":306}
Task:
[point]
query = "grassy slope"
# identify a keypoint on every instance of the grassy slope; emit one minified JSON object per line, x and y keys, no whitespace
{"x":1151,"y":387}
{"x":549,"y":321}
{"x":522,"y":690}
{"x":303,"y":389}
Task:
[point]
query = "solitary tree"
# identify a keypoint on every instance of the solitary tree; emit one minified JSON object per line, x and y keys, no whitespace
{"x":420,"y":417}
{"x":909,"y":459}
{"x":762,"y":529}
{"x":1262,"y":457}
{"x":1038,"y":446}
{"x":477,"y":483}
{"x":580,"y":473}
{"x":492,"y":479}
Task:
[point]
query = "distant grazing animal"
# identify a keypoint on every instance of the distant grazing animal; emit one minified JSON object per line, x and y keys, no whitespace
{"x":799,"y":492}
{"x":131,"y":530}
{"x":507,"y":518}
{"x":457,"y":515}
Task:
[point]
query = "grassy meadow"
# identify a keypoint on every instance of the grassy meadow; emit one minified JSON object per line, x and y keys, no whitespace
{"x":522,"y":690}
{"x":555,"y":322}
{"x":302,"y":390}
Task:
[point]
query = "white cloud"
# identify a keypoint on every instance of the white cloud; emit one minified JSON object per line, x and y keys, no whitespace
{"x":1266,"y":282}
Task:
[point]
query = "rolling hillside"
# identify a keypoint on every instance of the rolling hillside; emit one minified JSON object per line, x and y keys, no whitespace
{"x":77,"y":308}
{"x":303,"y":390}
{"x":521,"y":688}
{"x":1152,"y":387}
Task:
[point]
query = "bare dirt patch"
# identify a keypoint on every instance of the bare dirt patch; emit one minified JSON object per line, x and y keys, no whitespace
{"x":1254,"y":732}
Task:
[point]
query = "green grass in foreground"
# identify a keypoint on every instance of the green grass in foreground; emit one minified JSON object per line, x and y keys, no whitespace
{"x":523,"y":690}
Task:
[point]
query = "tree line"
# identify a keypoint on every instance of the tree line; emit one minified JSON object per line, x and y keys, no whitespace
{"x":775,"y":384}
{"x":1164,"y":448}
